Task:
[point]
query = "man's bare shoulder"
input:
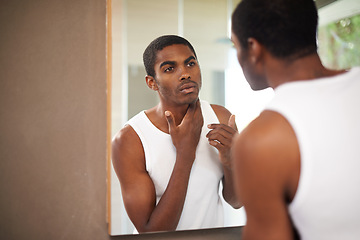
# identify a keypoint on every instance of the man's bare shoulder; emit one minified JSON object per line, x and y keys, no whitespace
{"x":221,"y":112}
{"x":127,"y":147}
{"x":269,"y":132}
{"x":268,"y":129}
{"x":125,"y":136}
{"x":269,"y":148}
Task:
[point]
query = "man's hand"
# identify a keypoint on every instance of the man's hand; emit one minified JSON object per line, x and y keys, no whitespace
{"x":221,"y":137}
{"x":186,"y":135}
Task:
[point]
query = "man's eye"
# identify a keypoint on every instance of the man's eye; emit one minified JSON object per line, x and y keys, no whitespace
{"x":191,"y":63}
{"x":168,"y":69}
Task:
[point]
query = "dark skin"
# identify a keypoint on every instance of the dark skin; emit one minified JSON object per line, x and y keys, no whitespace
{"x":178,"y":113}
{"x":266,"y":156}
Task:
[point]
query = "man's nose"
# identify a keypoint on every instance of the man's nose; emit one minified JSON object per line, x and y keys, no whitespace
{"x":184,"y":75}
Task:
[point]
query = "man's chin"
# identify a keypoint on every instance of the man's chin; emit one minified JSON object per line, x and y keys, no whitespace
{"x":193,"y":100}
{"x":258,"y":84}
{"x":258,"y":88}
{"x":188,"y":98}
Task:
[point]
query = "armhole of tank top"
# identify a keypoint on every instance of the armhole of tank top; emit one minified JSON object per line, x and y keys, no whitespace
{"x":134,"y":124}
{"x":305,"y":167}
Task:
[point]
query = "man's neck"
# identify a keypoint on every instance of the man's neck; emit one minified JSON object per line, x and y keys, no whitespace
{"x":157,"y":115}
{"x":178,"y":111}
{"x":303,"y":69}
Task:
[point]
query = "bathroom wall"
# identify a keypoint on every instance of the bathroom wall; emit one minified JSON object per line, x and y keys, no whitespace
{"x":53,"y":119}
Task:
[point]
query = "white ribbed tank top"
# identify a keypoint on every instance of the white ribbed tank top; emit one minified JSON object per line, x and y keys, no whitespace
{"x":325,"y":115}
{"x":203,"y":207}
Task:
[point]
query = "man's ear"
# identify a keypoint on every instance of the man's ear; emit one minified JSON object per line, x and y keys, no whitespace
{"x":255,"y":50}
{"x":151,"y":83}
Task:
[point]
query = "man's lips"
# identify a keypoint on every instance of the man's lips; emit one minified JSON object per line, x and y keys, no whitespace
{"x":188,"y":87}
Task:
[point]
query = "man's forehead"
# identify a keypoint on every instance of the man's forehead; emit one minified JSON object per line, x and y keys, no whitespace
{"x":175,"y":52}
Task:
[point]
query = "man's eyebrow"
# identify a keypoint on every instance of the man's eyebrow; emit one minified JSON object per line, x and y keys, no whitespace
{"x":167,"y":62}
{"x":189,"y":58}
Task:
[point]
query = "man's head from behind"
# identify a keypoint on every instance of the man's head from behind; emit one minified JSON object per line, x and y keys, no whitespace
{"x":149,"y":56}
{"x":286,"y":28}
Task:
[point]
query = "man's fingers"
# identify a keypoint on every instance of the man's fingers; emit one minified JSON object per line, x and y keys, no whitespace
{"x":193,"y":113}
{"x":222,"y":138}
{"x":216,"y":144}
{"x":192,"y":108}
{"x":189,"y":113}
{"x":216,"y":127}
{"x":231,"y":122}
{"x":170,"y":119}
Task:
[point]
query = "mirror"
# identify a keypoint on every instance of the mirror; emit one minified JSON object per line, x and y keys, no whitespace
{"x":206,"y":24}
{"x":135,"y":24}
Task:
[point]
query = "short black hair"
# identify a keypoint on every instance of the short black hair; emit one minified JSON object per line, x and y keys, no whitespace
{"x":149,"y":55}
{"x":287,"y":28}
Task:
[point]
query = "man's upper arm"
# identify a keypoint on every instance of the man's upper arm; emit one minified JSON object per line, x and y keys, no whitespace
{"x":263,"y":159}
{"x":137,"y":188}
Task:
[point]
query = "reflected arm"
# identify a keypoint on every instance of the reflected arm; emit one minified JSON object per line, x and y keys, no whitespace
{"x":137,"y":187}
{"x":138,"y":190}
{"x":220,"y":136}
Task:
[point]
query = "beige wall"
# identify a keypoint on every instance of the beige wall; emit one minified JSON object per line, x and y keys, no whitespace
{"x":53,"y":119}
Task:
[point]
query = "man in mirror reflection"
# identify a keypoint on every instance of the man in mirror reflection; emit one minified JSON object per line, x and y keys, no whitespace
{"x":171,"y":159}
{"x":296,"y":166}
